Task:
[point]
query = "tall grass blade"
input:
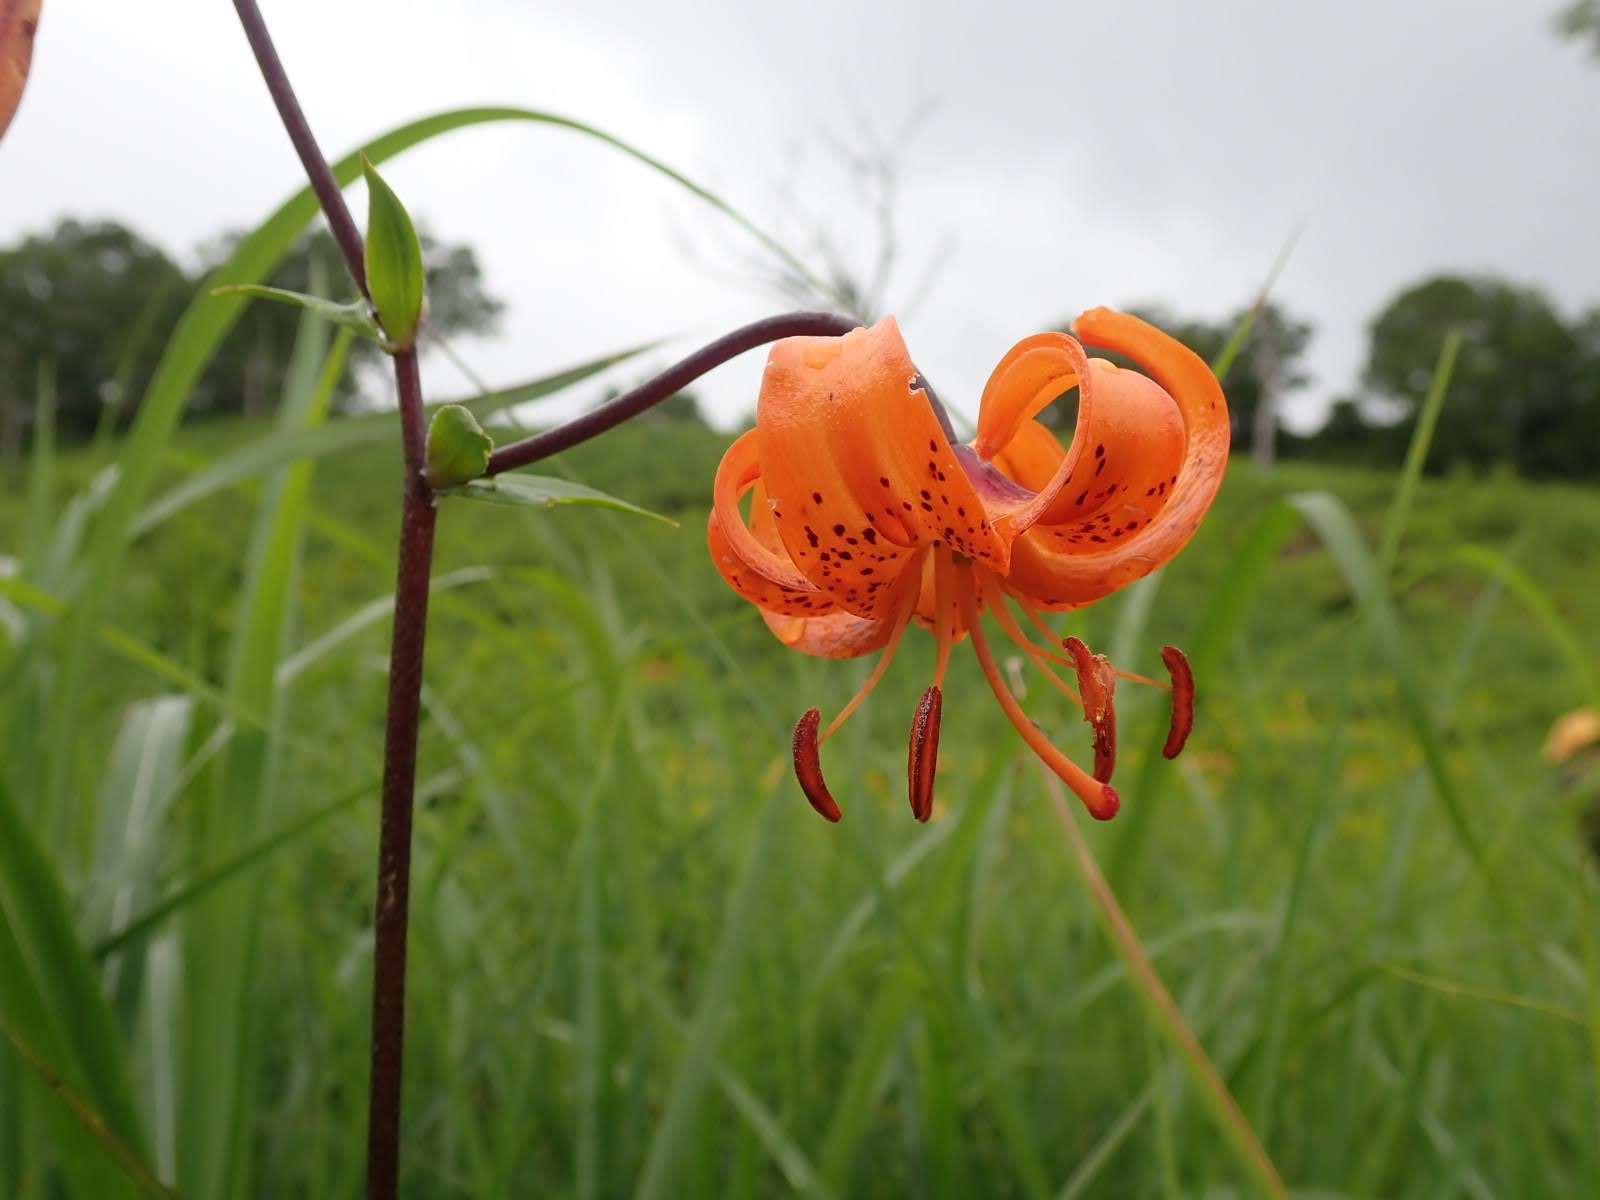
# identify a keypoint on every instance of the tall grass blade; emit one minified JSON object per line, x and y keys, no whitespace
{"x":1220,"y":621}
{"x":1329,"y":517}
{"x":143,"y":777}
{"x":194,"y":342}
{"x":1417,"y":454}
{"x":132,"y":1167}
{"x":41,"y":472}
{"x":217,"y":1080}
{"x":51,"y":1002}
{"x":1537,"y":601}
{"x":1165,"y":1016}
{"x":675,"y":1129}
{"x":284,"y":446}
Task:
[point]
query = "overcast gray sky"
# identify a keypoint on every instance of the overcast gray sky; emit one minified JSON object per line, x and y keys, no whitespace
{"x":1073,"y":154}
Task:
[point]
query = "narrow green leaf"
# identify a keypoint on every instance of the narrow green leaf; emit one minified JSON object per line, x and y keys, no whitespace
{"x":144,"y":774}
{"x":1591,"y":976}
{"x":195,"y":340}
{"x":1534,"y":598}
{"x":1220,"y":620}
{"x":458,"y":448}
{"x":1223,"y":363}
{"x":41,"y":471}
{"x":544,"y":491}
{"x":220,"y":1052}
{"x":675,"y":1127}
{"x":38,"y":921}
{"x":132,"y":1168}
{"x":394,"y":261}
{"x":1166,"y":1018}
{"x":141,"y":654}
{"x":351,"y":433}
{"x":1417,"y":454}
{"x":143,"y":923}
{"x":352,"y":314}
{"x":1331,"y":520}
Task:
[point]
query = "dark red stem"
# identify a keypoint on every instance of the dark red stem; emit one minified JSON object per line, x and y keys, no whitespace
{"x":316,"y":166}
{"x":417,"y":519}
{"x":674,"y":379}
{"x":391,"y":908}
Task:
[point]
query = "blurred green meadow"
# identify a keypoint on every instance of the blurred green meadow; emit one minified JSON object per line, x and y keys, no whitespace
{"x":640,"y":965}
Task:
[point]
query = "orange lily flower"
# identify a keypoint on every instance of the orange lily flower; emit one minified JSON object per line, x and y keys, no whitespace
{"x":868,"y":515}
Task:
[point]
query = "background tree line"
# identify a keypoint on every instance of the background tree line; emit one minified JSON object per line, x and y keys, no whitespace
{"x":1524,"y":395}
{"x":91,"y":304}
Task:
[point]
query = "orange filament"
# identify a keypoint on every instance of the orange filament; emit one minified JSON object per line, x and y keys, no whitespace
{"x":1040,"y":656}
{"x":1135,"y":677}
{"x":1182,"y":700}
{"x":923,"y":758}
{"x":902,"y":618}
{"x":808,"y":766}
{"x":1039,"y":623}
{"x":1098,"y":797}
{"x":1055,"y":639}
{"x":944,"y":606}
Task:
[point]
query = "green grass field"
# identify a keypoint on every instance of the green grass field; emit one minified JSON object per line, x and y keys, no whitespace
{"x":642,"y":966}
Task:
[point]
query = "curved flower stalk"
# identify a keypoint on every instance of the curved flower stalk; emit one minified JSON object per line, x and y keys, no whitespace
{"x":866,"y":516}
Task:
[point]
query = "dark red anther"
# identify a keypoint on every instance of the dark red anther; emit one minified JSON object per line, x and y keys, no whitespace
{"x":923,"y":760}
{"x":808,"y":766}
{"x":1182,"y":700}
{"x":1097,"y":685}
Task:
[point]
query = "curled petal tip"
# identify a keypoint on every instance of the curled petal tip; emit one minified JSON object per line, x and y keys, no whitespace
{"x":1182,"y":700}
{"x":923,"y":761}
{"x":808,"y":766}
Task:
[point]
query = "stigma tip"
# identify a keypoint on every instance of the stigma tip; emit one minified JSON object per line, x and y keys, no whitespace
{"x":1110,"y":804}
{"x":1097,"y":684}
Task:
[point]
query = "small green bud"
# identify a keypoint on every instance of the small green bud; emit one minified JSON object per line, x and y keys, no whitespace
{"x":458,"y":448}
{"x":394,"y":262}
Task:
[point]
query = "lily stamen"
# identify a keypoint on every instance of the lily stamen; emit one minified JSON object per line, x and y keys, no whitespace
{"x":1135,"y":677}
{"x":856,"y":480}
{"x":908,"y":605}
{"x":945,"y":612}
{"x":808,"y":766}
{"x":1098,"y":684}
{"x":1098,"y":797}
{"x":1040,"y":656}
{"x":922,"y":761}
{"x":1182,"y":700}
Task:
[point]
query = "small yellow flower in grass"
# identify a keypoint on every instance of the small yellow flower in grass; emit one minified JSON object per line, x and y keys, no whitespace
{"x":1573,"y":732}
{"x":867,"y":515}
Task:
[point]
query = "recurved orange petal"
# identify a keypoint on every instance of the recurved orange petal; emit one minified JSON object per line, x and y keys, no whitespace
{"x":859,"y":469}
{"x":1159,"y":450}
{"x":750,"y":557}
{"x":836,"y":635}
